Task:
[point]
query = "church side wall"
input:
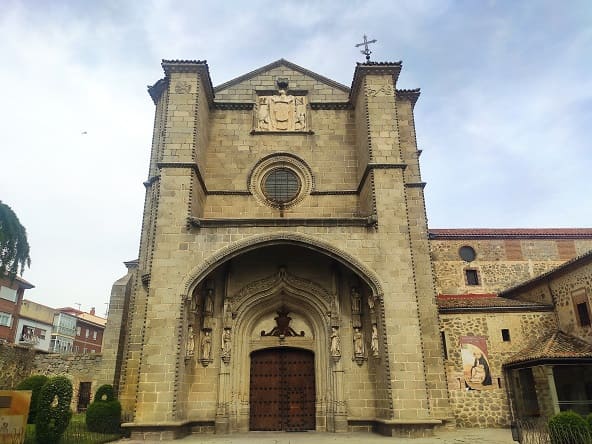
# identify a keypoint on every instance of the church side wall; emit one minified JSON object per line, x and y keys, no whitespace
{"x":488,"y":407}
{"x":501,"y":263}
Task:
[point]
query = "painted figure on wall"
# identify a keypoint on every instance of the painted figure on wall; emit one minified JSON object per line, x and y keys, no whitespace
{"x":476,"y":368}
{"x":480,"y":371}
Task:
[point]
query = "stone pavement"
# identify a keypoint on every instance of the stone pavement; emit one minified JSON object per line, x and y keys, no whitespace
{"x":461,"y":436}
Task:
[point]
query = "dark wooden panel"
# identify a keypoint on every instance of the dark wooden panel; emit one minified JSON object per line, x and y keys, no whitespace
{"x":282,"y":395}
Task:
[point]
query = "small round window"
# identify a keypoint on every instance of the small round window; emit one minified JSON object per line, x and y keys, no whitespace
{"x":467,"y":253}
{"x":281,"y":185}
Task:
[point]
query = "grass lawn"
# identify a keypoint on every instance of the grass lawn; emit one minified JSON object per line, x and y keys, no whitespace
{"x":76,"y":433}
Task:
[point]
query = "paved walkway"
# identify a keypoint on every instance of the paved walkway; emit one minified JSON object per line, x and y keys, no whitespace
{"x":468,"y":436}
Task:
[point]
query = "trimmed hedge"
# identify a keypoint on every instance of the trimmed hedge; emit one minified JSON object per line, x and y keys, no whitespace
{"x":104,"y":413}
{"x":53,"y":410}
{"x":33,"y":383}
{"x":569,"y":428}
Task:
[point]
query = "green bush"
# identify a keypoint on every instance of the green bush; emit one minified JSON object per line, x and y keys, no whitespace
{"x":104,"y":413}
{"x":589,"y":419}
{"x":569,"y":428}
{"x":33,"y":383}
{"x":53,"y":410}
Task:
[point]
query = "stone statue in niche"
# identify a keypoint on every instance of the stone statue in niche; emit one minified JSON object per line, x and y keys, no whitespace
{"x":335,"y":343}
{"x":358,"y":339}
{"x":371,"y":302}
{"x":206,"y":348}
{"x":190,"y":345}
{"x":209,"y":302}
{"x":281,"y":112}
{"x":374,"y":341}
{"x":226,"y":345}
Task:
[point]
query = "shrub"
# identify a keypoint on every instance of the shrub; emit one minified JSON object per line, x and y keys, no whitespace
{"x":569,"y":428}
{"x":104,"y":413}
{"x":53,"y":410}
{"x":33,"y":383}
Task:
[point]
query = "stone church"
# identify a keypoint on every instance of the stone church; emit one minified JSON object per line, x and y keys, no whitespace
{"x":287,"y":279}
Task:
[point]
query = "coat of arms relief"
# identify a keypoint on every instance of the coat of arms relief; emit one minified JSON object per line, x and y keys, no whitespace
{"x":281,"y":112}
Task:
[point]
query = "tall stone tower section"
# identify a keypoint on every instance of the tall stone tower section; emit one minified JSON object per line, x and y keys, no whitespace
{"x":284,"y":279}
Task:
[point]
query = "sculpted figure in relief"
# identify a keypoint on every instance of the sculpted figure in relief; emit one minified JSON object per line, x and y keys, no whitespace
{"x":263,"y":114}
{"x":281,"y":112}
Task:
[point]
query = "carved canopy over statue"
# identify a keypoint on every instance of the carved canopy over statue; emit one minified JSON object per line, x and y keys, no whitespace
{"x":281,"y":112}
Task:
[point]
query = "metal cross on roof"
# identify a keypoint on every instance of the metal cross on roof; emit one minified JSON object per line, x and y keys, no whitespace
{"x":366,"y":51}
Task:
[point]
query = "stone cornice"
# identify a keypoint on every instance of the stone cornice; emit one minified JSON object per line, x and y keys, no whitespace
{"x":283,"y":222}
{"x":409,"y":94}
{"x":517,"y":309}
{"x":234,"y":105}
{"x":379,"y":166}
{"x":282,"y":133}
{"x":189,"y":165}
{"x":334,"y":193}
{"x":200,"y":67}
{"x":331,"y":105}
{"x":416,"y":185}
{"x":377,"y":68}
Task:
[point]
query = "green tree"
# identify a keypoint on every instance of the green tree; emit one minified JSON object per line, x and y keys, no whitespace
{"x":14,"y":247}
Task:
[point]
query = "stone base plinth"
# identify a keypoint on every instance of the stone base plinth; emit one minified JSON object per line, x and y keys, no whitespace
{"x":161,"y":431}
{"x":406,"y":428}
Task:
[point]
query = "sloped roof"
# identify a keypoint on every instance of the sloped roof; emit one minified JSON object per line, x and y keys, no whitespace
{"x":510,"y":233}
{"x":456,"y":303}
{"x":555,"y":347}
{"x":276,"y":64}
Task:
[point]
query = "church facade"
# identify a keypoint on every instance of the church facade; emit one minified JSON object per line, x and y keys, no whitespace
{"x":287,"y":279}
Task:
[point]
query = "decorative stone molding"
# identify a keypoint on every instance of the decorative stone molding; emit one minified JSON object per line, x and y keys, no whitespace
{"x":182,"y":87}
{"x":280,"y":160}
{"x":258,"y":241}
{"x":280,"y":281}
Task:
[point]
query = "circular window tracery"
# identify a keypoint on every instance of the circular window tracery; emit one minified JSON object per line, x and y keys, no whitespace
{"x":281,"y":185}
{"x":467,"y":253}
{"x":280,"y":180}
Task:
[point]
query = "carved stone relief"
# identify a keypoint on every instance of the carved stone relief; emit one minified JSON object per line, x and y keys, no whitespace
{"x":182,"y":87}
{"x":281,"y":112}
{"x":380,"y":90}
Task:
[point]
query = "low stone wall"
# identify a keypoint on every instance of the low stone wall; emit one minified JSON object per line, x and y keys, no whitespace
{"x":16,"y":363}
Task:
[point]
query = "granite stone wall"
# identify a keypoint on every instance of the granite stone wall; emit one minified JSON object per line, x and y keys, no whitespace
{"x":488,"y":407}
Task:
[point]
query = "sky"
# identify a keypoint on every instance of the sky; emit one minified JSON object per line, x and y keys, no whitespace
{"x":504,"y":118}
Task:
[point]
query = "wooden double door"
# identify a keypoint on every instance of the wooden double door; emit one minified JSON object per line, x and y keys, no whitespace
{"x":282,"y":390}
